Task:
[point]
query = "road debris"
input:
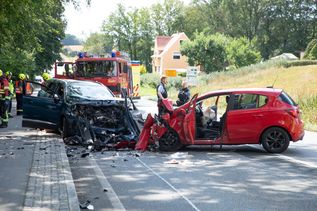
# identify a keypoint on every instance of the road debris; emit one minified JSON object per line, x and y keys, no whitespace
{"x":86,"y":205}
{"x":173,"y":161}
{"x":84,"y":154}
{"x":179,"y":155}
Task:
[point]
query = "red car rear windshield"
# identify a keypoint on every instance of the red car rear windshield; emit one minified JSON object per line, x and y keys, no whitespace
{"x":287,"y":99}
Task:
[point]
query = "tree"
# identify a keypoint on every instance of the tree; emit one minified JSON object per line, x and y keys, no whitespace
{"x":98,"y":44}
{"x":71,"y":40}
{"x":167,"y":18}
{"x":311,"y":50}
{"x":31,"y":33}
{"x":205,"y":50}
{"x":240,"y":52}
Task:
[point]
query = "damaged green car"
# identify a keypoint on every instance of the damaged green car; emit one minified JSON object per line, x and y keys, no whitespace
{"x":84,"y":112}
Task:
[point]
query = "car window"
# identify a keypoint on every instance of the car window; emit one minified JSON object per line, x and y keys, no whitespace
{"x":287,"y":99}
{"x":217,"y":104}
{"x":249,"y":101}
{"x":87,"y":91}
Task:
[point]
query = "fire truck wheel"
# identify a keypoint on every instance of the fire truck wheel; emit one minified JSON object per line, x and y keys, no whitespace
{"x":170,"y":141}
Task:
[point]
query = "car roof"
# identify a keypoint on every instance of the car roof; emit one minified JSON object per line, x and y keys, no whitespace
{"x":75,"y":81}
{"x":263,"y":91}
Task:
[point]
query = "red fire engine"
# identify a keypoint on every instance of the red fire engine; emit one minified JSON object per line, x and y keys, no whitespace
{"x":114,"y":71}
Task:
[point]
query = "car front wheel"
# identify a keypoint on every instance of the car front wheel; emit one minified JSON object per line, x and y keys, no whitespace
{"x":65,"y":129}
{"x":170,"y":141}
{"x":275,"y":140}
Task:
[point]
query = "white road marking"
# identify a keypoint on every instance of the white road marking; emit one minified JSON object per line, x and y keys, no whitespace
{"x":113,"y":197}
{"x":291,"y":159}
{"x":169,"y":184}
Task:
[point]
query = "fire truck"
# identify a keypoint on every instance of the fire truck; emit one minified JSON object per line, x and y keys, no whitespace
{"x":113,"y":70}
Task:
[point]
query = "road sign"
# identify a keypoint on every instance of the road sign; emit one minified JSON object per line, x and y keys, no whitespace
{"x":171,"y":73}
{"x":191,"y":75}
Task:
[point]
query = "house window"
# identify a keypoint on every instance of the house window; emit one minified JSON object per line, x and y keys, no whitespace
{"x":176,"y":55}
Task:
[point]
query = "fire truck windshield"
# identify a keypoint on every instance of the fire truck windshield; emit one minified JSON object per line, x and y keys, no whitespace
{"x":106,"y":68}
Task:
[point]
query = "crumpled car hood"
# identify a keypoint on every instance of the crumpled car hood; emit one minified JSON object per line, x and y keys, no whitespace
{"x":105,"y":123}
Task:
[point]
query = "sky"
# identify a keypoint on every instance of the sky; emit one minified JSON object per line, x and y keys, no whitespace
{"x":86,"y":20}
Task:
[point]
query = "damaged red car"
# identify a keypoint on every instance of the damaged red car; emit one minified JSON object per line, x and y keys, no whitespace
{"x":265,"y":116}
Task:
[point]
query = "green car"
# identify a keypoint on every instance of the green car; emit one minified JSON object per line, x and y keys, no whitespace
{"x":85,"y":110}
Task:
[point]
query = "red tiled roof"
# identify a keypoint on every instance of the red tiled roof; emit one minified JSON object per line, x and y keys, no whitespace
{"x":161,"y":41}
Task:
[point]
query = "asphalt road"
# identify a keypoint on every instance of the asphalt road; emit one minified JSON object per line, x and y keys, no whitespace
{"x":200,"y":178}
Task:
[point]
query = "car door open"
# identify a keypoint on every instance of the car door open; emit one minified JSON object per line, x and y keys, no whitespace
{"x":42,"y":109}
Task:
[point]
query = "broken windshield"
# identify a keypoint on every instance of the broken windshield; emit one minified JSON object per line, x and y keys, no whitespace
{"x":87,"y":91}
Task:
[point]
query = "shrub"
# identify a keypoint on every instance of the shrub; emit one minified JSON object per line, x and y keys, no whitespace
{"x":153,"y":79}
{"x":311,"y":50}
{"x":300,"y":63}
{"x":175,"y":82}
{"x":150,"y":79}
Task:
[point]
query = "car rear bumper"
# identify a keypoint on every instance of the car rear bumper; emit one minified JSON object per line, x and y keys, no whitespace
{"x":298,"y":132}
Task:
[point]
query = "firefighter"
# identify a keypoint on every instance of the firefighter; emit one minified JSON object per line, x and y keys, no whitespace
{"x":29,"y":86}
{"x":4,"y":100}
{"x":11,"y":91}
{"x":161,"y":93}
{"x":20,"y":90}
{"x":46,"y":77}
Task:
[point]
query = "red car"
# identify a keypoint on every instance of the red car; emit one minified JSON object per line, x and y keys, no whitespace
{"x":264,"y":116}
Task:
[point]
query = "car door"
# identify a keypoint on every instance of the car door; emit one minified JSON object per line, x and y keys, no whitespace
{"x":244,"y":119}
{"x":43,"y":108}
{"x":190,"y":121}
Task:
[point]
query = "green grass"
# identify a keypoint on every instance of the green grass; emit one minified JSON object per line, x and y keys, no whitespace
{"x":300,"y":82}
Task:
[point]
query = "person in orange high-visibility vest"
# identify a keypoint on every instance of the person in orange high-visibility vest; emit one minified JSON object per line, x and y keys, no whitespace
{"x":20,"y":90}
{"x":29,"y":86}
{"x":4,"y":100}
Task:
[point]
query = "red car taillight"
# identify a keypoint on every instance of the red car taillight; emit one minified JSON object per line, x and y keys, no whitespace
{"x":293,"y":112}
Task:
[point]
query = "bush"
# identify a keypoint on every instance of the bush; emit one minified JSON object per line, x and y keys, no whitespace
{"x":153,"y":79}
{"x":175,"y":82}
{"x":311,"y":50}
{"x":182,"y":74}
{"x":150,"y":79}
{"x":300,"y":63}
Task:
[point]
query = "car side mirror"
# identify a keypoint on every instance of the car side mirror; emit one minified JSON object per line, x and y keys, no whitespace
{"x":56,"y":98}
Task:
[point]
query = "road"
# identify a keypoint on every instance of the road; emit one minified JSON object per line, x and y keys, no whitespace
{"x":201,"y":178}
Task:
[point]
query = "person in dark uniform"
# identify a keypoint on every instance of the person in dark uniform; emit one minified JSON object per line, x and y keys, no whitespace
{"x":161,"y":93}
{"x":183,"y":94}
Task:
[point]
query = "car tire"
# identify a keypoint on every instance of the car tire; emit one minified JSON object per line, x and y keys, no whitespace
{"x":65,"y":129}
{"x":170,"y":141}
{"x":275,"y":140}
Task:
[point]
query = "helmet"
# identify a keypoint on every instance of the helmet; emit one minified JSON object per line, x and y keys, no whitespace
{"x":1,"y":72}
{"x":46,"y":76}
{"x":21,"y":76}
{"x":8,"y":73}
